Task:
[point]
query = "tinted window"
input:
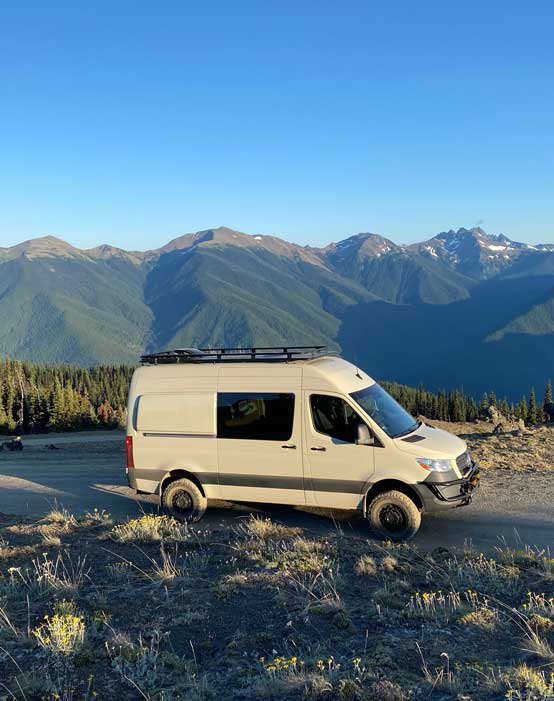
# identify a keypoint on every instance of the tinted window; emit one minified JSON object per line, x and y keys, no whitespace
{"x":259,"y":417}
{"x":334,"y":417}
{"x":385,"y":411}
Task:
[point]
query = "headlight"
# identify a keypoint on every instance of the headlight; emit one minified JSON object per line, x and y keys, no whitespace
{"x":436,"y":465}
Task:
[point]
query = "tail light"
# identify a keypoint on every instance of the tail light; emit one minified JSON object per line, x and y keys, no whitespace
{"x":129,"y":451}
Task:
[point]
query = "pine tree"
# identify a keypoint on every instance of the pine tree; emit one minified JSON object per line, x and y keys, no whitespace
{"x":9,"y":398}
{"x":484,"y":405}
{"x":57,"y":407}
{"x":547,"y":398}
{"x":3,"y":417}
{"x":532,"y":416}
{"x":522,"y":409}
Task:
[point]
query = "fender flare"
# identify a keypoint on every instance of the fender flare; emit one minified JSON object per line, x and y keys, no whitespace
{"x":373,"y":488}
{"x":180,"y":473}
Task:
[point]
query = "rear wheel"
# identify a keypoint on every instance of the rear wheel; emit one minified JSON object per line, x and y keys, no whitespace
{"x":394,"y":515}
{"x":184,"y":500}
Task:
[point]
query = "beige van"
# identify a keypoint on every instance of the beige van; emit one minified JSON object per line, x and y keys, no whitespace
{"x":286,"y":426}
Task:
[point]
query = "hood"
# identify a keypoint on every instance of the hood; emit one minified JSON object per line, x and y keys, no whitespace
{"x":431,"y":442}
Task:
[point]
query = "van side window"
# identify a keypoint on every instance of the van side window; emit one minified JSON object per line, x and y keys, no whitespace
{"x":334,"y":417}
{"x":255,"y":416}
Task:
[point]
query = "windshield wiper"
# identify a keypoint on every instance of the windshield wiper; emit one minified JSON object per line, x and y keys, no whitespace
{"x":413,"y":428}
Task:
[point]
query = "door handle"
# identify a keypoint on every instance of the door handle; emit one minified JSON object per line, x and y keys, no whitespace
{"x":289,"y":446}
{"x":320,"y":448}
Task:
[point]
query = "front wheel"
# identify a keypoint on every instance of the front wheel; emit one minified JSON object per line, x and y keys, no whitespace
{"x":394,"y":515}
{"x":184,"y":500}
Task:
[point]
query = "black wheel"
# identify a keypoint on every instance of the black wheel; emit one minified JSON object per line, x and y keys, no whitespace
{"x":184,"y":500}
{"x":394,"y":515}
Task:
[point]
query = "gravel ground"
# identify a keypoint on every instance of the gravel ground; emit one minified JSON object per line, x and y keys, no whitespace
{"x":515,"y":501}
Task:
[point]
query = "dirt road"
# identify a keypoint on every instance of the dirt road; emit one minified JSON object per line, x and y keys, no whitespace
{"x":86,"y":471}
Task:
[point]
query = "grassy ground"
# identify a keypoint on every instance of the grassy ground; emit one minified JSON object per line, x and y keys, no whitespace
{"x":152,"y":609}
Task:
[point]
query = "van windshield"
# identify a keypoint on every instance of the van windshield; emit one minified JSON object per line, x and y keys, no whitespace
{"x":385,"y":411}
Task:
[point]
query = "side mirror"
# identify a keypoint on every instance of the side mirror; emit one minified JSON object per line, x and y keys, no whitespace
{"x":364,"y":437}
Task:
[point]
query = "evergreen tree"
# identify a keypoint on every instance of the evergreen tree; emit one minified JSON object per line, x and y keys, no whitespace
{"x":57,"y":407}
{"x":485,"y":404}
{"x":548,"y":392}
{"x":457,"y":411}
{"x":532,"y":414}
{"x":547,"y":397}
{"x":3,"y":418}
{"x":522,"y":409}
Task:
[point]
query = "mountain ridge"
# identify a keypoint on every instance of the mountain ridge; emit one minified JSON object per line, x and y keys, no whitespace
{"x":410,"y":312}
{"x":377,"y":243}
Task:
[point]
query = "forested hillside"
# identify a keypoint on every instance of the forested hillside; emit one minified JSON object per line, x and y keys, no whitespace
{"x":63,"y":397}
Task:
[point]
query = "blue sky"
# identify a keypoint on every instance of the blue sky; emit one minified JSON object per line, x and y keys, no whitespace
{"x":134,"y":122}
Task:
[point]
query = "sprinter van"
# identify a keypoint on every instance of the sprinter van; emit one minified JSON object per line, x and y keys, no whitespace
{"x":286,"y":426}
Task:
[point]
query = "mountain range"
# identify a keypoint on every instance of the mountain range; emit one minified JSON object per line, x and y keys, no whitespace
{"x":464,"y":308}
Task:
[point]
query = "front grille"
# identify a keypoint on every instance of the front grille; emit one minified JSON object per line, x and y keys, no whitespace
{"x":463,"y":462}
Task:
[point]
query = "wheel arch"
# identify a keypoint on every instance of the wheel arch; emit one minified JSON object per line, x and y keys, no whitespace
{"x":387,"y":485}
{"x":177,"y":474}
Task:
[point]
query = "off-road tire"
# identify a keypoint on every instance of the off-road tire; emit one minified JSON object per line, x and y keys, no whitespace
{"x":393,"y":515}
{"x":184,"y":500}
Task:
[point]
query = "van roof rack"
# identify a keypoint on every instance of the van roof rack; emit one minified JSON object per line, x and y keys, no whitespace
{"x":277,"y":354}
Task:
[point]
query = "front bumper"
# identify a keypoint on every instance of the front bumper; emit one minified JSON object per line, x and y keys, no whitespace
{"x":437,"y":496}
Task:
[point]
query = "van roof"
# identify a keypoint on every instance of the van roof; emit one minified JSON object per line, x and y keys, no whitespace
{"x":273,"y":354}
{"x":335,"y":374}
{"x":321,"y":372}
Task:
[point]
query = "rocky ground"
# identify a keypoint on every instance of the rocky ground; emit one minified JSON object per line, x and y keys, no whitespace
{"x":531,"y":452}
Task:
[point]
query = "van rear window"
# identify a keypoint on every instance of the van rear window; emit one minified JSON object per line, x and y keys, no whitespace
{"x":189,"y":413}
{"x":255,"y":416}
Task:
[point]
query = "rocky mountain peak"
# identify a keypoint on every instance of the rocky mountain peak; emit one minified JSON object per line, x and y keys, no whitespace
{"x":42,"y":247}
{"x":363,"y":245}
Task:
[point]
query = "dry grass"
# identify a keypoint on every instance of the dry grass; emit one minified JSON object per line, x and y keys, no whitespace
{"x":99,"y":516}
{"x":265,"y":611}
{"x":6,"y":623}
{"x":62,"y":517}
{"x":366,"y":565}
{"x":539,"y":646}
{"x":264,"y":529}
{"x":166,"y":568}
{"x":64,"y":573}
{"x":389,"y":563}
{"x":49,"y":540}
